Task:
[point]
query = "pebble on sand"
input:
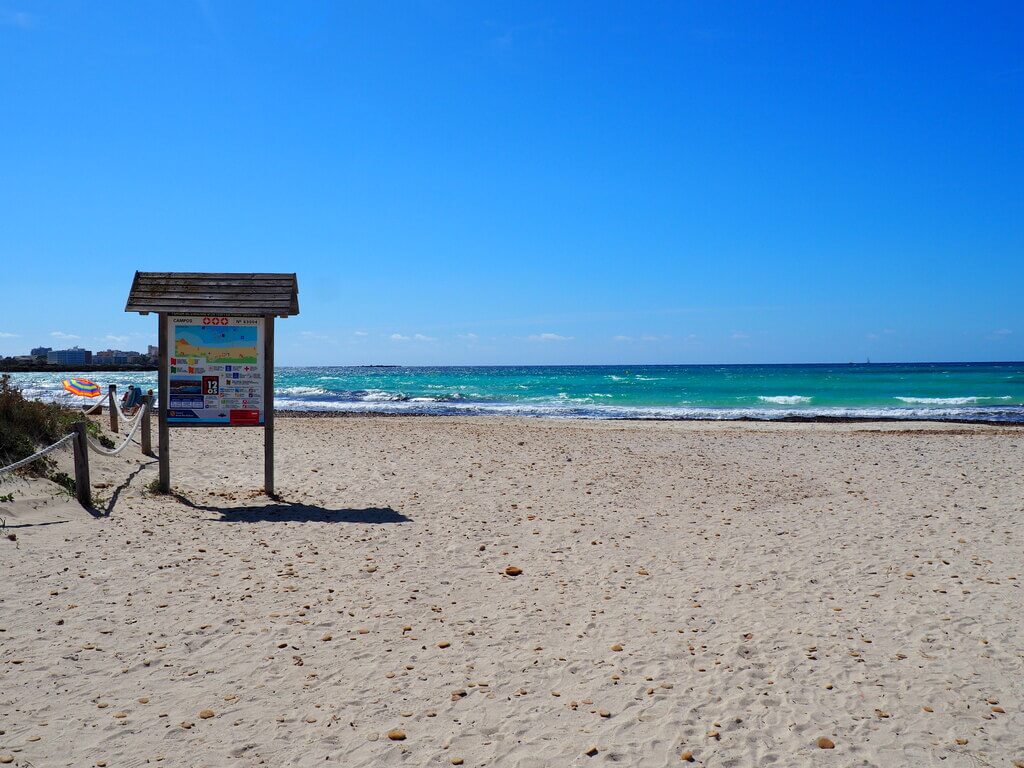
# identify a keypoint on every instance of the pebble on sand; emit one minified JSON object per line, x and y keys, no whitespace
{"x":617,"y":647}
{"x":5,"y":759}
{"x":206,"y":714}
{"x":513,"y":570}
{"x":826,"y":743}
{"x":686,"y":757}
{"x":456,"y":761}
{"x":396,"y":735}
{"x":591,"y":752}
{"x":443,"y":644}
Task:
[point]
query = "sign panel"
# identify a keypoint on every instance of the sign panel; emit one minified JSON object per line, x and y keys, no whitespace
{"x":215,"y":370}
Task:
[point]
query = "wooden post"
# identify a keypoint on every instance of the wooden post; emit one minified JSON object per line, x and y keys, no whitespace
{"x":163,"y":395}
{"x":268,"y":406}
{"x":81,"y":449}
{"x":147,"y":438}
{"x":112,"y":389}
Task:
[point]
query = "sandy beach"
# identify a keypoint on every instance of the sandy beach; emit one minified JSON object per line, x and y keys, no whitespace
{"x":516,"y":592}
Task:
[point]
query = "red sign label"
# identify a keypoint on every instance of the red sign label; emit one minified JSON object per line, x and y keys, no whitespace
{"x":244,"y":417}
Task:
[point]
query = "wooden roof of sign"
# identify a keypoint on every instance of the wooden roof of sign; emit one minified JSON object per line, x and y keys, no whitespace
{"x":215,"y":293}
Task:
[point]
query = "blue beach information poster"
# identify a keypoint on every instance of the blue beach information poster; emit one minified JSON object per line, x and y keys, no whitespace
{"x":215,"y":371}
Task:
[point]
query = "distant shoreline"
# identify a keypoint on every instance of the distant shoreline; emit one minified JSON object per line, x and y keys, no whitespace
{"x":6,"y":367}
{"x":290,"y":413}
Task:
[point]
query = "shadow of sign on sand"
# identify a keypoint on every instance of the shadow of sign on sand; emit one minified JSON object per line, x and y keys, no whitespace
{"x":287,"y":512}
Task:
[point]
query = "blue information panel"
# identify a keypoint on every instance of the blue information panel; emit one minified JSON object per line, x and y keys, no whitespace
{"x":215,"y":371}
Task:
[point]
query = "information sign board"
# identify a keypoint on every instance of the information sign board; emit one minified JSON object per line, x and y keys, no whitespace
{"x":215,"y":370}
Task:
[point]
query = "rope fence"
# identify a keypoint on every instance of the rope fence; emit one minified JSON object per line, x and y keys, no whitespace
{"x":38,"y":455}
{"x":97,"y":406}
{"x":128,"y":438}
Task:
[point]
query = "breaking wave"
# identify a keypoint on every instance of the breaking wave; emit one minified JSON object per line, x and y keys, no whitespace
{"x":785,"y":399}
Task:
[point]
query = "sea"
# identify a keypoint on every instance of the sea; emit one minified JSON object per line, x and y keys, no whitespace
{"x":972,"y":392}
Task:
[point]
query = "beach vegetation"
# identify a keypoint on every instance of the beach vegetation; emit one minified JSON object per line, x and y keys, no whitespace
{"x":28,"y":425}
{"x":64,"y":480}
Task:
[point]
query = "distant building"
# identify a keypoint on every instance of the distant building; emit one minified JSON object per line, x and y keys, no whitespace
{"x":117,"y":357}
{"x":153,"y":351}
{"x":73,"y":356}
{"x":41,"y":351}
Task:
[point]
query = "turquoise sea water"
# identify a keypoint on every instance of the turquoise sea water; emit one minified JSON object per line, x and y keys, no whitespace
{"x":968,"y":391}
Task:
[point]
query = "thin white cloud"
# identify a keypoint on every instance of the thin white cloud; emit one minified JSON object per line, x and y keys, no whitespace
{"x":312,"y":336}
{"x":414,"y":337}
{"x":5,"y":335}
{"x":1002,"y":332}
{"x":740,"y":335}
{"x":116,"y":339}
{"x":360,"y":333}
{"x":620,"y":337}
{"x":549,"y":337}
{"x":468,"y":336}
{"x":62,"y":335}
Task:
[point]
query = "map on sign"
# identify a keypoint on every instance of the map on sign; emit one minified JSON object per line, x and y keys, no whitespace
{"x":215,"y":371}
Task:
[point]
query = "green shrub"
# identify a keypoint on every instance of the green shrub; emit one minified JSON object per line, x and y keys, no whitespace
{"x":63,"y":479}
{"x":28,"y":425}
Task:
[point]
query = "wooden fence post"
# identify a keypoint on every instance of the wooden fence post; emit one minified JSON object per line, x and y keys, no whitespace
{"x":147,"y":437}
{"x":82,"y":489}
{"x":113,"y":407}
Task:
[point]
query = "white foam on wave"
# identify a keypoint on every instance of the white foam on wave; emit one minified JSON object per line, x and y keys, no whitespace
{"x":380,"y":396}
{"x":569,"y":410}
{"x":950,"y":400}
{"x":299,"y":391}
{"x":784,"y":399}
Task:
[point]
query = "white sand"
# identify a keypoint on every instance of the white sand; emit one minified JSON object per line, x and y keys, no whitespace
{"x":768,"y":585}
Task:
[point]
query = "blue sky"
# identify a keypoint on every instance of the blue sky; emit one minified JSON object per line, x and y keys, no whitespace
{"x":525,"y":182}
